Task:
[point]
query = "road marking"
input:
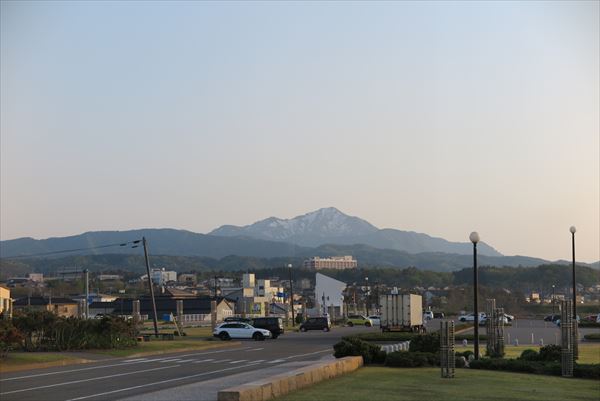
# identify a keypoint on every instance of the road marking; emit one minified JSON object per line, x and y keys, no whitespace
{"x":161,"y":382}
{"x":240,"y":361}
{"x":86,"y":380}
{"x":170,"y":360}
{"x":222,"y":360}
{"x":260,"y":360}
{"x":136,"y":360}
{"x":254,"y":349}
{"x":277,"y":361}
{"x":311,"y":353}
{"x":203,"y":360}
{"x":121,"y":363}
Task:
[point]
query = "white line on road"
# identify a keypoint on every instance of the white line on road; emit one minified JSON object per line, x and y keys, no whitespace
{"x":240,"y":361}
{"x":254,"y":349}
{"x":277,"y":361}
{"x":121,"y":363}
{"x":85,"y":380}
{"x":222,"y":360}
{"x":161,"y":382}
{"x":310,"y":353}
{"x":170,"y":360}
{"x":135,"y":360}
{"x":203,"y":360}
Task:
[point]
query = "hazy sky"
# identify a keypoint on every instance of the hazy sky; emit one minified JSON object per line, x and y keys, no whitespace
{"x":438,"y":117}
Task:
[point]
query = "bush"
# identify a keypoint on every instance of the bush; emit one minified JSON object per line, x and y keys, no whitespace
{"x":588,"y":324}
{"x":425,"y":343}
{"x":550,"y":353}
{"x":469,"y":337}
{"x":592,"y":337}
{"x":465,"y":354}
{"x":529,"y":355}
{"x":459,"y":362}
{"x":587,"y":371}
{"x":406,"y":359}
{"x":349,"y":346}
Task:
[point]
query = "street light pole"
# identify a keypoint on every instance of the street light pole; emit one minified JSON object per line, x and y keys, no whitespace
{"x":291,"y":296}
{"x":573,"y":230}
{"x":474,"y":237}
{"x":553,"y":299}
{"x":367,"y":295}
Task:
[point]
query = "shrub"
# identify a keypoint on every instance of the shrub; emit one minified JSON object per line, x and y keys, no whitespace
{"x":550,"y":353}
{"x":529,"y":355}
{"x":459,"y":362}
{"x":588,"y":324}
{"x":406,"y":359}
{"x":349,"y":346}
{"x":469,"y":337}
{"x":465,"y":354}
{"x":425,"y":343}
{"x":587,"y":371}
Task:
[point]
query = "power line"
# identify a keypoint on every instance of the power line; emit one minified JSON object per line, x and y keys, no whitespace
{"x":76,"y":250}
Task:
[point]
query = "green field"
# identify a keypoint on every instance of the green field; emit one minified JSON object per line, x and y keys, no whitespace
{"x":418,"y":384}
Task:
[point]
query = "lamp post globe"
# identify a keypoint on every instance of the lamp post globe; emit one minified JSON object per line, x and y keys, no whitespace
{"x":573,"y":229}
{"x":474,"y":237}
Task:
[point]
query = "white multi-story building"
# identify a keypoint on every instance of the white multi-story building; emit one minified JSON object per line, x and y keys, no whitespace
{"x":162,"y":276}
{"x":334,"y":262}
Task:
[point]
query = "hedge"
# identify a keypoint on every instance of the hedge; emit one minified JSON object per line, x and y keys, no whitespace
{"x":388,"y":336}
{"x":588,"y":324}
{"x":585,"y":371}
{"x":371,"y":353}
{"x":592,"y":337}
{"x":405,"y":359}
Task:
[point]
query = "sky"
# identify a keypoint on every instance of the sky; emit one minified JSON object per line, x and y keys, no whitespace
{"x":436,"y":117}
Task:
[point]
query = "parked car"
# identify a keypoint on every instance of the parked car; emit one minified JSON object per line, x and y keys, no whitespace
{"x":470,"y":317}
{"x":237,"y":319}
{"x":229,"y":330}
{"x":557,"y":321}
{"x":503,"y":319}
{"x":552,"y":318}
{"x":510,"y":318}
{"x":428,"y":315}
{"x":358,"y":320}
{"x":438,"y":315}
{"x":592,"y":318}
{"x":316,"y":323}
{"x":376,"y":320}
{"x":273,"y":324}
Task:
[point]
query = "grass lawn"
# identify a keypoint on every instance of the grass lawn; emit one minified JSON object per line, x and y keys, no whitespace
{"x":419,"y":384}
{"x":159,"y":346}
{"x":16,"y":360}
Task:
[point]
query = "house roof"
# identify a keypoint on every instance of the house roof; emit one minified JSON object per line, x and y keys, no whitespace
{"x":167,"y":305}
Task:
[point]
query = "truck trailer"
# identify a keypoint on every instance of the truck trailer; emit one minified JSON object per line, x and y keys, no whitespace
{"x":401,"y":312}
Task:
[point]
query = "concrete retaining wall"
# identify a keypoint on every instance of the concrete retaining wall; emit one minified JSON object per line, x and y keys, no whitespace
{"x":290,"y":381}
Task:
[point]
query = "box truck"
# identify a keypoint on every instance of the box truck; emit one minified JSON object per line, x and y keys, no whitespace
{"x":401,"y":312}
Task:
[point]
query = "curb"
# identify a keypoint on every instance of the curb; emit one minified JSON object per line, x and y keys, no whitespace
{"x":279,"y":385}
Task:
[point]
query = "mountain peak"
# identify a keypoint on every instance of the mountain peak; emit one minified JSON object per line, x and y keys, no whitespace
{"x":309,"y":229}
{"x":329,"y":225}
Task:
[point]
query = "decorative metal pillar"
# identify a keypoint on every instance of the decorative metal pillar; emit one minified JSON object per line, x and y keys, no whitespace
{"x":447,"y":355}
{"x":566,"y":330}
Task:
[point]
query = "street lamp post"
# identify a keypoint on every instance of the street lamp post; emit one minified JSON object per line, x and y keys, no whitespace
{"x":474,"y":237}
{"x":291,"y":296}
{"x":367,"y":295}
{"x":573,"y":230}
{"x":553,"y":299}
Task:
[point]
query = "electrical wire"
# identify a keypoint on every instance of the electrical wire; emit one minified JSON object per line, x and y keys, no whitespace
{"x":76,"y":250}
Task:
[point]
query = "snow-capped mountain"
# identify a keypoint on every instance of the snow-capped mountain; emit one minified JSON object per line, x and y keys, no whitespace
{"x":330,"y":226}
{"x":327,"y":225}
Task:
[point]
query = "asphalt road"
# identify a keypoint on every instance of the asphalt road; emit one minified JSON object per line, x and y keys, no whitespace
{"x":127,"y":377}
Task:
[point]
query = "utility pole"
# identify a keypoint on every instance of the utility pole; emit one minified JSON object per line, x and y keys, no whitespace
{"x":87,"y":294}
{"x":144,"y":242}
{"x":291,"y":296}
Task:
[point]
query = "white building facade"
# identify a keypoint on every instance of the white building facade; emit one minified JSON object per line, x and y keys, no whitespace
{"x":329,"y":298}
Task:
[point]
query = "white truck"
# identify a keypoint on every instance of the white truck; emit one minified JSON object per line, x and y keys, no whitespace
{"x":402,"y":312}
